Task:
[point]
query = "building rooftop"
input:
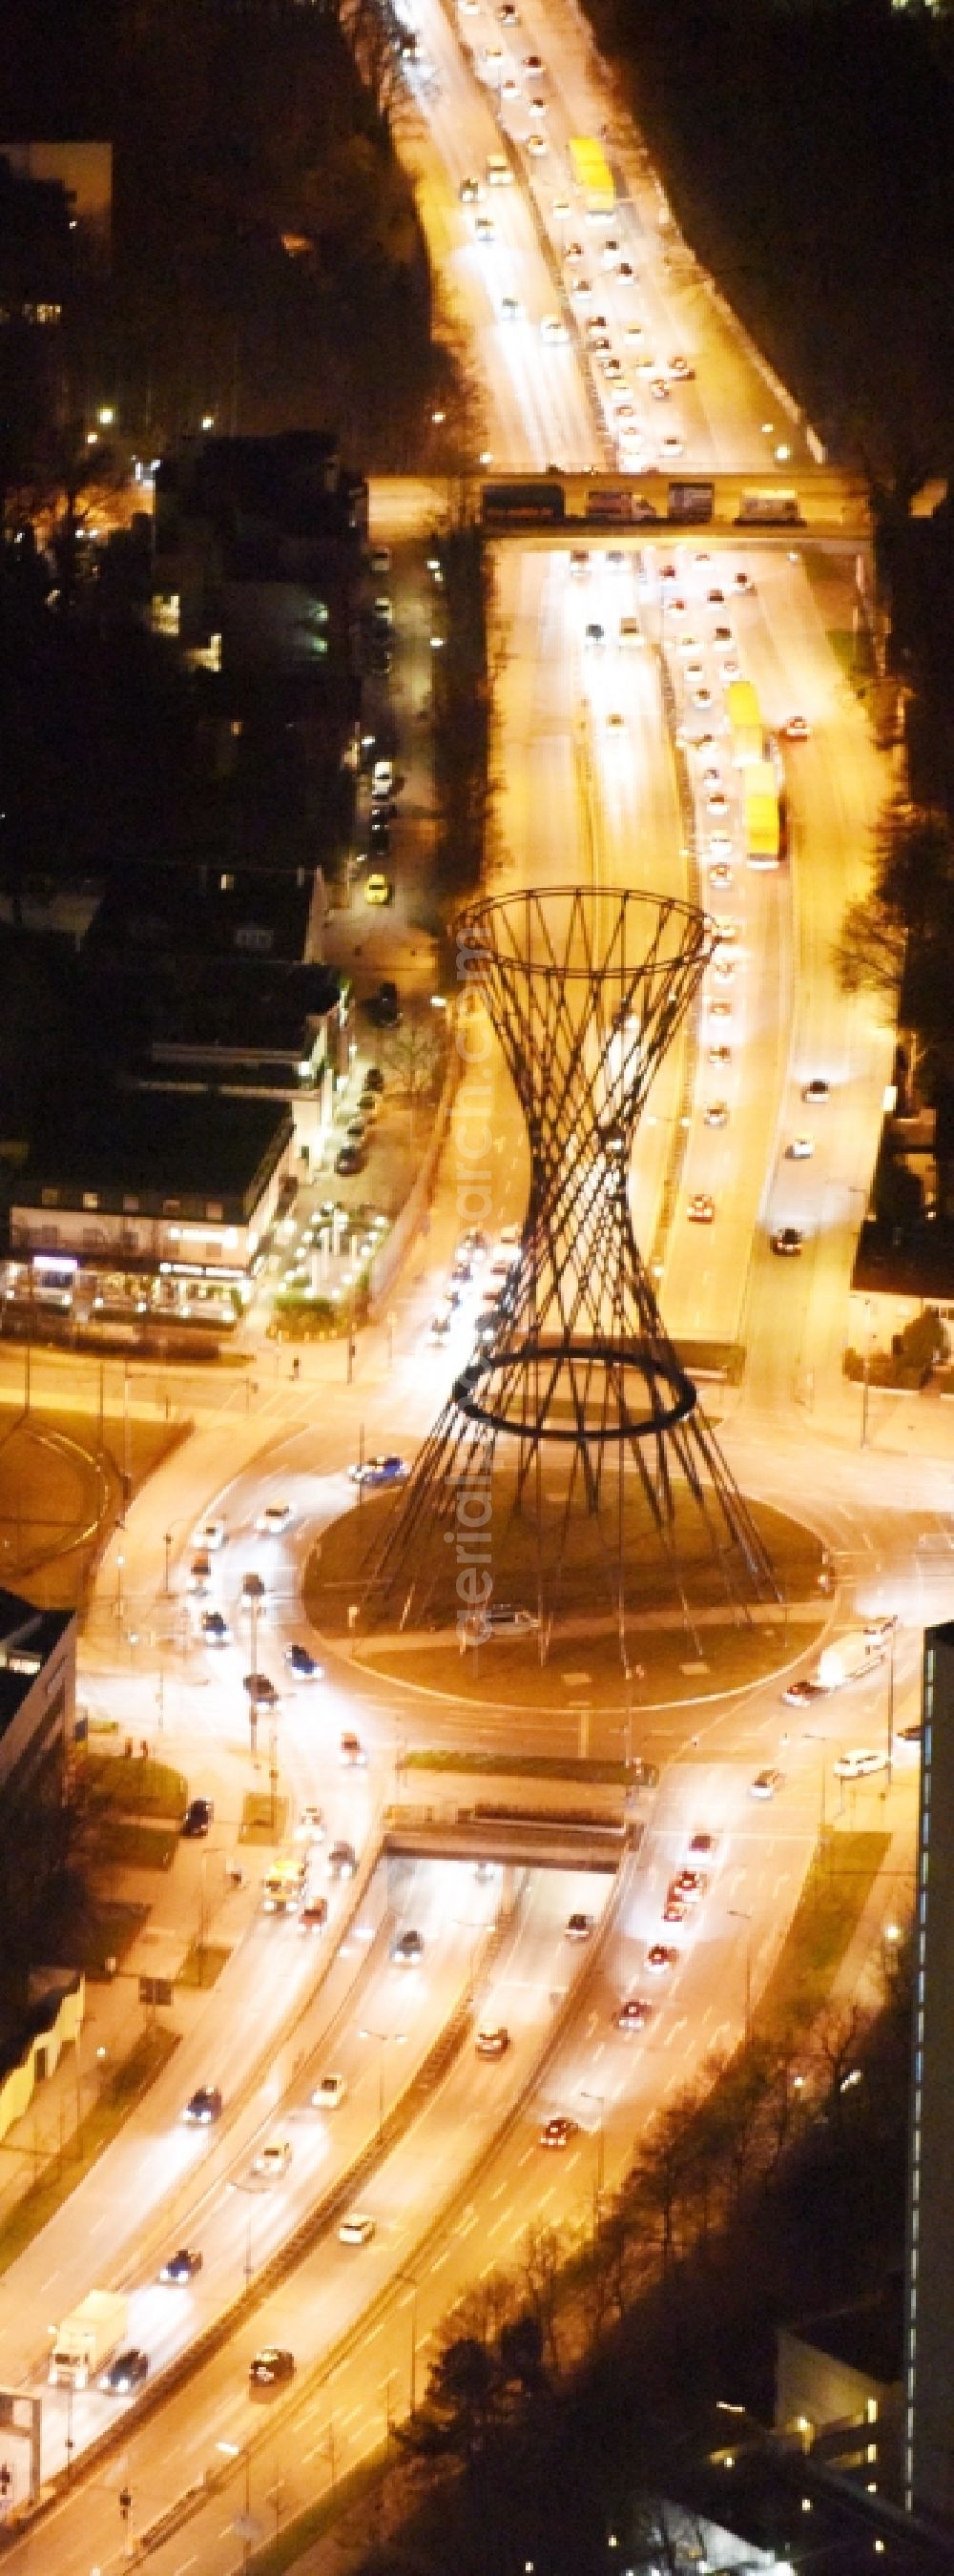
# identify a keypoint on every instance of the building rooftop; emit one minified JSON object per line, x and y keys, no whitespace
{"x":292,"y":484}
{"x":28,"y":1639}
{"x":217,"y":911}
{"x":868,"y":2337}
{"x":169,"y":1144}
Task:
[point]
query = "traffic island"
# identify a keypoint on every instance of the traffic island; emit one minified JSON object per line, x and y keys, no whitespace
{"x":577,"y":1658}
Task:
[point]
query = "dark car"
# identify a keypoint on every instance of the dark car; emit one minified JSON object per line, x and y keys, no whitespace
{"x":182,"y":2266}
{"x":633,"y":2014}
{"x":492,"y":2041}
{"x":203,"y":2106}
{"x":305,"y":1666}
{"x":788,"y":1240}
{"x":349,"y":1160}
{"x":215,"y":1628}
{"x":198,"y":1818}
{"x":380,"y":828}
{"x":271,"y":2368}
{"x":342,"y":1860}
{"x":385,"y":1008}
{"x":558,"y":2131}
{"x":389,"y":1470}
{"x":125,"y":2373}
{"x":374,"y":1078}
{"x":407,"y":1950}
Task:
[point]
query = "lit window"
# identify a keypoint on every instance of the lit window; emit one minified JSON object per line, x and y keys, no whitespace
{"x":49,"y":1198}
{"x":90,"y":1199}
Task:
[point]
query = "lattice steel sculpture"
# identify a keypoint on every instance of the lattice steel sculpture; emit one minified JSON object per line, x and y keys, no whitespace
{"x":575,"y":1383}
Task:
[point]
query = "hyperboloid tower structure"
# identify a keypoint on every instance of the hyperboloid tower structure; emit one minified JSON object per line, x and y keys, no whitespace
{"x":573,"y":1439}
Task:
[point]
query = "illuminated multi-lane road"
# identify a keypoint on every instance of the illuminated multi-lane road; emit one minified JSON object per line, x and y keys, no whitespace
{"x":590,"y":793}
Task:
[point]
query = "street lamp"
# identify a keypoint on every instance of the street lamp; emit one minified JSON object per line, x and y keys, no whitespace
{"x":381,"y":2038}
{"x":600,"y":2101}
{"x":245,"y":2524}
{"x":866,"y":1373}
{"x":738,"y":1915}
{"x":410,"y":2283}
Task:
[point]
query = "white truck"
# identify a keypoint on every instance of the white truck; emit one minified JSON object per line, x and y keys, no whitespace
{"x":86,"y":2338}
{"x":850,"y":1657}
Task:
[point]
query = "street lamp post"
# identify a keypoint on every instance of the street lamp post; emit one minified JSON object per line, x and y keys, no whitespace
{"x":167,"y":1546}
{"x":866,"y":1374}
{"x":411,"y":2284}
{"x":890,"y":1735}
{"x":738,"y":1915}
{"x":600,"y":2101}
{"x":381,"y":2038}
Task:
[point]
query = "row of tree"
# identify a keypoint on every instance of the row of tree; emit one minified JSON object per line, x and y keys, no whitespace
{"x":565,"y":2387}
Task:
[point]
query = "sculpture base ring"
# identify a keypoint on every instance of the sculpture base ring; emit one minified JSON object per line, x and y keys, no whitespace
{"x":652,"y":1367}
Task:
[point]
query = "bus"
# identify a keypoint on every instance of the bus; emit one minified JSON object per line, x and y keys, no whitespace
{"x":761,"y":815}
{"x":284,"y":1884}
{"x":522,"y":505}
{"x":745,"y":721}
{"x":592,"y":174}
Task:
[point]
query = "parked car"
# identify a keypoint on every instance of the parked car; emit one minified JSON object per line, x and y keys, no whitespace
{"x":197,"y":1821}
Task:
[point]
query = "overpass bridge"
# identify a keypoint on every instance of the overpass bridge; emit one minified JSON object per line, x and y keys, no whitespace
{"x":575,"y":1838}
{"x":816,"y":499}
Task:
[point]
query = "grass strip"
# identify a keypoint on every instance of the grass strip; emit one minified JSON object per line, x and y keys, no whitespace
{"x":263,"y":1818}
{"x":66,"y":2165}
{"x":134,"y":1787}
{"x":107,"y":1936}
{"x":203,"y":1964}
{"x":531,"y":1766}
{"x":360,"y":2482}
{"x":827,"y":1915}
{"x":123,"y":1844}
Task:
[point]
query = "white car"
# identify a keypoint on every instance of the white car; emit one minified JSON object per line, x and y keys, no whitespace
{"x":311,"y":1826}
{"x":554,"y":331}
{"x":273,"y":1520}
{"x":356,"y":2229}
{"x":210,"y":1534}
{"x":272,"y":2160}
{"x":800,"y":1149}
{"x":329,"y":2093}
{"x":670,"y":447}
{"x":859,"y":1764}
